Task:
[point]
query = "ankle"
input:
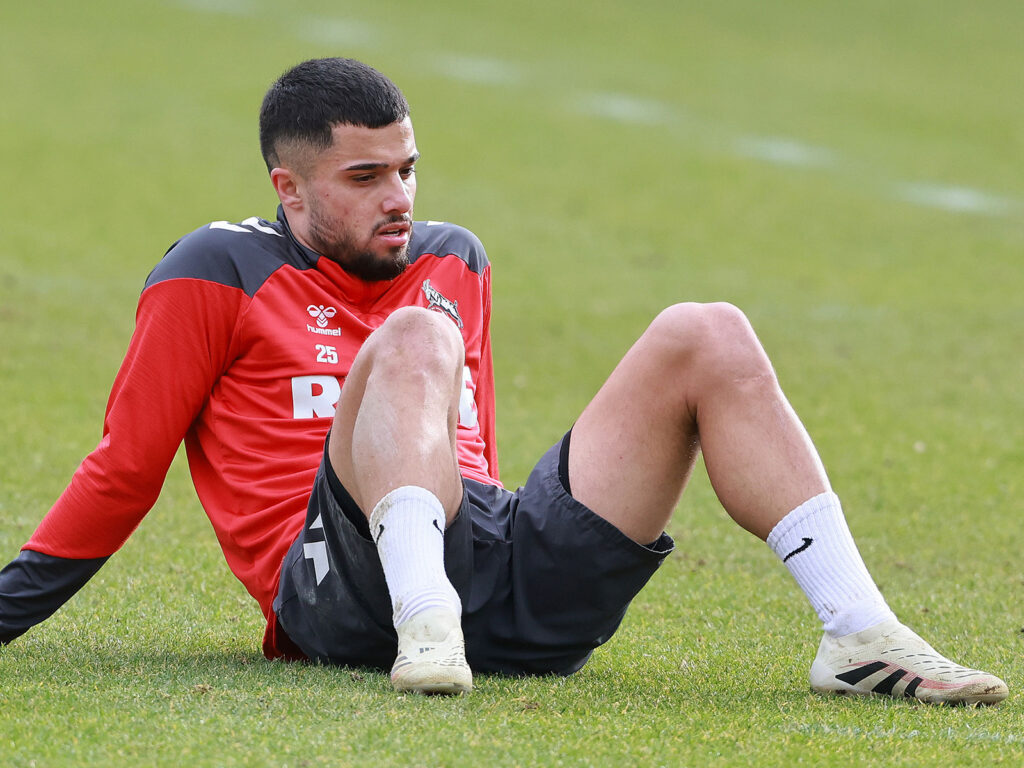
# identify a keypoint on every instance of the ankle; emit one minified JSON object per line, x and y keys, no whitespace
{"x":408,"y":527}
{"x":815,"y":544}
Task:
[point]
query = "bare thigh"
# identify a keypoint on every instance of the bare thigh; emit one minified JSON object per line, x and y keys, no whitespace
{"x":632,"y":452}
{"x":697,"y":380}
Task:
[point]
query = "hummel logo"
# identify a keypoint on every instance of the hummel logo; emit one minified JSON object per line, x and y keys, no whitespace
{"x":807,"y":542}
{"x":434,"y":521}
{"x":321,"y":313}
{"x":380,"y":532}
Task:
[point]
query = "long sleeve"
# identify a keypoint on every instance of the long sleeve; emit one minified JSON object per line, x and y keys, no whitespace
{"x":180,"y":345}
{"x":230,"y":355}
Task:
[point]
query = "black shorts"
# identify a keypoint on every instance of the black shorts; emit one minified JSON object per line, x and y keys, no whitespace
{"x":543,"y":580}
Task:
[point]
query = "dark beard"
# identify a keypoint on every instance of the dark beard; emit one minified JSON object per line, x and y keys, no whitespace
{"x":364,"y":265}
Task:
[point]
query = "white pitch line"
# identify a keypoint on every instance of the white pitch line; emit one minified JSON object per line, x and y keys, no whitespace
{"x":955,"y":198}
{"x":227,"y":7}
{"x":783,"y":151}
{"x":634,"y":110}
{"x":334,"y":31}
{"x":624,"y":108}
{"x":479,"y":69}
{"x":788,"y":152}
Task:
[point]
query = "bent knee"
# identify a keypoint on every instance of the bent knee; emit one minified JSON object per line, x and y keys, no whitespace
{"x":691,"y":321}
{"x":716,"y":336}
{"x":420,"y":323}
{"x":416,"y":333}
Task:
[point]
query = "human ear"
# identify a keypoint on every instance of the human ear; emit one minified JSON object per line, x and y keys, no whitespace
{"x":288,"y":187}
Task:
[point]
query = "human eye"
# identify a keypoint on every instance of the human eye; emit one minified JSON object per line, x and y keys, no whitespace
{"x":408,"y":171}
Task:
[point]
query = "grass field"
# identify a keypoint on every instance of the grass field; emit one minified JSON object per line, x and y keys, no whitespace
{"x":852,"y":175}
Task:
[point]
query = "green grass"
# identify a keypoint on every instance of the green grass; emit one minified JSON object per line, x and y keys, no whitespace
{"x":615,"y":158}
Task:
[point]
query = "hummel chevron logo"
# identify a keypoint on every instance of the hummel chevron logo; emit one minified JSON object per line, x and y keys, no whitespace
{"x":321,"y":313}
{"x":807,"y":542}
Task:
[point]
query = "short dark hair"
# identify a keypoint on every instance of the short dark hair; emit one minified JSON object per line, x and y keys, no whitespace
{"x":308,"y":100}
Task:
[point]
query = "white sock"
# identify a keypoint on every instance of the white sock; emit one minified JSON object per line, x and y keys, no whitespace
{"x":408,"y":526}
{"x":815,"y":544}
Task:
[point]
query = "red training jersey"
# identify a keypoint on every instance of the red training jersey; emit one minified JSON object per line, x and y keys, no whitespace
{"x":242,"y":344}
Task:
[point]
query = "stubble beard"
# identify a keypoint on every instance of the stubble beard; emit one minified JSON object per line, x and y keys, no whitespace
{"x":331,"y":241}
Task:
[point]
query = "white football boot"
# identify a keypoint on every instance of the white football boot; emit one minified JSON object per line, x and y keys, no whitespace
{"x":432,"y":654}
{"x":891,"y":660}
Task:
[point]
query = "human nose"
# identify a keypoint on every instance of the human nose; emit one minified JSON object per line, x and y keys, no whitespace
{"x":400,"y":194}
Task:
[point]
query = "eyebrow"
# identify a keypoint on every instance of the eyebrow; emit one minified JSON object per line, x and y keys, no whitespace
{"x":374,"y":166}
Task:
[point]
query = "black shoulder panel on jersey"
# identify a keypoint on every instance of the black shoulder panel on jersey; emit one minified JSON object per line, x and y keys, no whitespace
{"x":33,"y":586}
{"x":237,"y":255}
{"x":443,"y":239}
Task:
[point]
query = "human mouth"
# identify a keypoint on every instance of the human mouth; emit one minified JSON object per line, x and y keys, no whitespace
{"x":394,"y":234}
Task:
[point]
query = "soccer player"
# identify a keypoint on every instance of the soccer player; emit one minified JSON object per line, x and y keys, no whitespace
{"x":330,"y":373}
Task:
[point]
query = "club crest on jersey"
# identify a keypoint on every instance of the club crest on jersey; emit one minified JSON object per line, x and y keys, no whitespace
{"x":435,"y":300}
{"x":322,"y":314}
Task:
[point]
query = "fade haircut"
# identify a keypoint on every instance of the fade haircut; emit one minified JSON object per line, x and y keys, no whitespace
{"x":306,"y":102}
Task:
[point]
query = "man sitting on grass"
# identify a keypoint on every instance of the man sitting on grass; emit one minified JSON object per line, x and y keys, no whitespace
{"x":330,"y":374}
